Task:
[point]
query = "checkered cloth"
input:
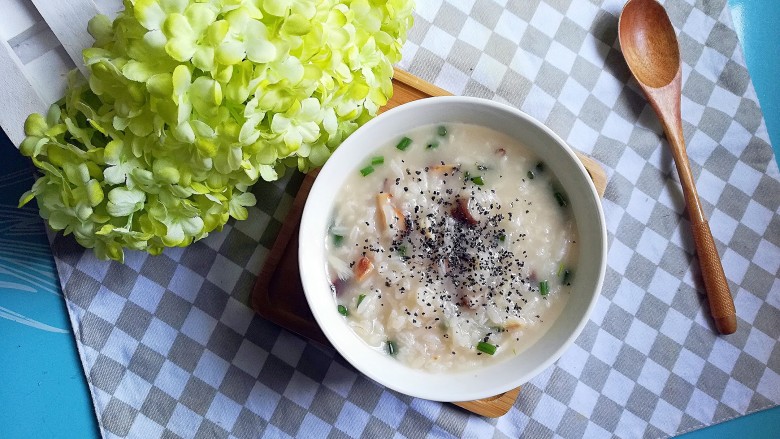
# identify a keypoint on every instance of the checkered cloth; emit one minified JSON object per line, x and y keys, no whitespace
{"x":171,"y":350}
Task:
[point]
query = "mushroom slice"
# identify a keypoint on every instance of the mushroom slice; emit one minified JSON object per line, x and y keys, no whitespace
{"x":388,"y":216}
{"x":444,"y":168}
{"x":462,"y":213}
{"x":363,"y":268}
{"x":514,"y":325}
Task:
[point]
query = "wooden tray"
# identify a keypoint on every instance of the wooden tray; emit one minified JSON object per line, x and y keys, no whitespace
{"x":278,"y":294}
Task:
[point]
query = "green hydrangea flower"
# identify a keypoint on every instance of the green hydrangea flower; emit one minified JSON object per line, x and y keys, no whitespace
{"x":188,"y":103}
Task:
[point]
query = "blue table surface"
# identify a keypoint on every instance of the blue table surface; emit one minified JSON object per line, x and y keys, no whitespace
{"x":44,"y":392}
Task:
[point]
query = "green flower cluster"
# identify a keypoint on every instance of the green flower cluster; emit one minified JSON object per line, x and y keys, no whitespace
{"x":189,"y":103}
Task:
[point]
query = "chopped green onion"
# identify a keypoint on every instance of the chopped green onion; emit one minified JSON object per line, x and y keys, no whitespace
{"x":561,"y":199}
{"x":486,"y":348}
{"x":343,"y":310}
{"x":564,"y":274}
{"x":367,"y":170}
{"x":402,"y":250}
{"x":360,"y":299}
{"x":442,"y":130}
{"x":544,"y":288}
{"x":378,"y":160}
{"x":502,"y":237}
{"x":531,"y":175}
{"x":392,"y":349}
{"x":478,"y":180}
{"x":432,"y":145}
{"x":565,"y":277}
{"x":404,"y":143}
{"x":338,"y":240}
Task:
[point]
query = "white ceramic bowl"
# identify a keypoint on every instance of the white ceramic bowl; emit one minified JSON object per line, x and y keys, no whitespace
{"x":489,"y":380}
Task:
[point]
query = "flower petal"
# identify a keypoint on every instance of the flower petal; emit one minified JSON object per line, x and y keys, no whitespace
{"x":203,"y":58}
{"x":181,"y":79}
{"x":160,"y":85}
{"x":277,"y":8}
{"x":258,"y":48}
{"x":230,"y":52}
{"x":137,"y":71}
{"x":123,"y":201}
{"x":180,"y":49}
{"x":200,"y":16}
{"x":149,"y":13}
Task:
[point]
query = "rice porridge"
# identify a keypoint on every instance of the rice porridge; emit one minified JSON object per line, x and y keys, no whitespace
{"x":451,"y":247}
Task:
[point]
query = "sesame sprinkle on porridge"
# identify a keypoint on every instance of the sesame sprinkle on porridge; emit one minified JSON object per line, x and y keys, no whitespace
{"x":453,"y":246}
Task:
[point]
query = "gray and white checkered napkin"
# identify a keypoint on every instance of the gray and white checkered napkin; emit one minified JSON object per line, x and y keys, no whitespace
{"x":170,"y":349}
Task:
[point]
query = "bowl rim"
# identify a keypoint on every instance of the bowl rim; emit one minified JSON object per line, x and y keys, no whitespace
{"x":310,"y":215}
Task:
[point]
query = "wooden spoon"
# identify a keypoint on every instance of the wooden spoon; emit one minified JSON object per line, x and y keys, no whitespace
{"x":650,"y":47}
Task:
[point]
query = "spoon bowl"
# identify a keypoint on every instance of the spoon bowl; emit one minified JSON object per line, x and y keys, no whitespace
{"x":649,"y":45}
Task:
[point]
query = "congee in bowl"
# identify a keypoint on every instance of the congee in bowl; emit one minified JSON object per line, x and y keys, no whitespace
{"x":452,"y":248}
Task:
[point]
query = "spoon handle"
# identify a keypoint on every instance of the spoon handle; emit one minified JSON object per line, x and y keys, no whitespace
{"x":718,"y":294}
{"x":717,"y":287}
